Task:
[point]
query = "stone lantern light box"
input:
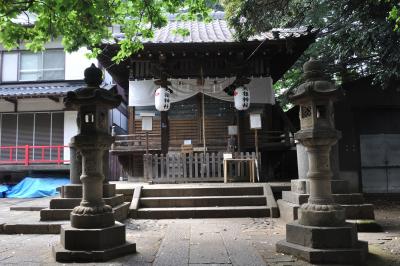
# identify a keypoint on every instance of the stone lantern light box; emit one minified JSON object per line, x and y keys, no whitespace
{"x":316,"y":101}
{"x":94,"y":118}
{"x":316,"y":113}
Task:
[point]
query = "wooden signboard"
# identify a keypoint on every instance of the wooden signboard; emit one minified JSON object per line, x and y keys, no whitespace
{"x":232,"y":130}
{"x":255,"y":121}
{"x":147,"y":123}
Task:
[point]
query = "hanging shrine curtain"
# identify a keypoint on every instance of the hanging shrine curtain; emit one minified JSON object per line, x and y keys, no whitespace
{"x":141,"y":92}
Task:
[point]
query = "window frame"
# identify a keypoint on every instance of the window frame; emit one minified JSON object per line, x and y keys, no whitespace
{"x":42,"y":69}
{"x":18,"y":70}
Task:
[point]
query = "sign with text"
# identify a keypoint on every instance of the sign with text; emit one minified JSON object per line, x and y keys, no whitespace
{"x":232,"y":130}
{"x":147,"y":123}
{"x":255,"y":121}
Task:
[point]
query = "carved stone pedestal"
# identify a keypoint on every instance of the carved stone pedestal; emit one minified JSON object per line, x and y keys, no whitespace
{"x":315,"y":244}
{"x":87,"y":245}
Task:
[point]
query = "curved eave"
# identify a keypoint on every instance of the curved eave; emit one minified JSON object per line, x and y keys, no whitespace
{"x":282,"y":53}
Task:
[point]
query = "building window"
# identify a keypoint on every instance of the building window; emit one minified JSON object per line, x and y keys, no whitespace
{"x":29,"y":66}
{"x":47,"y":65}
{"x":34,"y":129}
{"x":119,"y":119}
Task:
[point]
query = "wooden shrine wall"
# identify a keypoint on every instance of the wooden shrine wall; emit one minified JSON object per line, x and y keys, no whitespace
{"x":185,"y":123}
{"x":156,"y":126}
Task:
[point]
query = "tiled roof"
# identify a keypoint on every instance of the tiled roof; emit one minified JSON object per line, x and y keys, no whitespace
{"x":216,"y":31}
{"x":38,"y":90}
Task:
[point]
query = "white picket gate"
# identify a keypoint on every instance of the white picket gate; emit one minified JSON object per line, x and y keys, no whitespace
{"x":192,"y":168}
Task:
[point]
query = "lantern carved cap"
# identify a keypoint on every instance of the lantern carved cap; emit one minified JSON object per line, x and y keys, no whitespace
{"x":93,"y":76}
{"x":92,"y":94}
{"x":316,"y":85}
{"x":313,"y":69}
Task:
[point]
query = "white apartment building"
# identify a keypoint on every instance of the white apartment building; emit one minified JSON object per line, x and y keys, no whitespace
{"x":35,"y":126}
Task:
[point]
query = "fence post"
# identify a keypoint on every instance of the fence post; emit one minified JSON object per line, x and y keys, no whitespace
{"x":58,"y":155}
{"x":26,"y":154}
{"x":145,"y":167}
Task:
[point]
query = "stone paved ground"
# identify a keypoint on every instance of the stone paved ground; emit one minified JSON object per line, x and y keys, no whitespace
{"x":7,"y":216}
{"x":240,"y":241}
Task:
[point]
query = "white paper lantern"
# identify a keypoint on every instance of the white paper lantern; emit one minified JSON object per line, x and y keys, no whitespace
{"x":241,"y":97}
{"x":161,"y":99}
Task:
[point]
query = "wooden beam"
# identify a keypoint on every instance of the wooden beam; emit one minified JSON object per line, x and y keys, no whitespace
{"x":54,"y":98}
{"x":13,"y":101}
{"x":240,"y":124}
{"x":164,"y":132}
{"x":131,"y":120}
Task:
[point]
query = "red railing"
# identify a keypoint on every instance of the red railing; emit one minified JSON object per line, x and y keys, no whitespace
{"x":27,"y":154}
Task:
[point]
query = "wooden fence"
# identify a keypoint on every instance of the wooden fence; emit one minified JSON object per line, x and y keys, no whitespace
{"x":197,"y":167}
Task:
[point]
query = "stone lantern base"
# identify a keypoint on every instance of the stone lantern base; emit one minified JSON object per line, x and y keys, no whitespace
{"x":75,"y":191}
{"x":356,"y":210}
{"x":71,"y":196}
{"x":315,"y":244}
{"x":92,"y":245}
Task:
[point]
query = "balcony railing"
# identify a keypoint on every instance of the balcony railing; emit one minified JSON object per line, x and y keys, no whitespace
{"x":36,"y":154}
{"x":137,"y":142}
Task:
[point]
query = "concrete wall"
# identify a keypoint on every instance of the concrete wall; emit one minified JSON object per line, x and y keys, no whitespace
{"x":76,"y":63}
{"x":70,"y":129}
{"x":32,"y":105}
{"x":6,"y":106}
{"x":50,"y":45}
{"x":352,"y":177}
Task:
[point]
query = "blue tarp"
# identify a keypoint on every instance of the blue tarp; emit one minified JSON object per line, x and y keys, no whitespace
{"x":36,"y":187}
{"x":3,"y":188}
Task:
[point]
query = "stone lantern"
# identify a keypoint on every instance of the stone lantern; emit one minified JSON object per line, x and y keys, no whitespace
{"x":93,"y":235}
{"x":321,"y":235}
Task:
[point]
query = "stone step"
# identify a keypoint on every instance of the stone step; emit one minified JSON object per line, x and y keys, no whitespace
{"x":353,"y":198}
{"x":120,"y":213}
{"x":359,"y":211}
{"x":55,"y":214}
{"x":127,"y":192}
{"x":75,"y":190}
{"x":296,"y":198}
{"x":203,"y":201}
{"x":203,"y":212}
{"x":70,"y":203}
{"x":353,"y":256}
{"x":289,"y":211}
{"x":302,"y":186}
{"x":32,"y":228}
{"x":344,"y":236}
{"x":366,"y":225}
{"x":202,"y":191}
{"x":27,"y":208}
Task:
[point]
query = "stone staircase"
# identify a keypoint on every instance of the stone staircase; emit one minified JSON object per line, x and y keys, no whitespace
{"x":219,"y":201}
{"x":60,"y":208}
